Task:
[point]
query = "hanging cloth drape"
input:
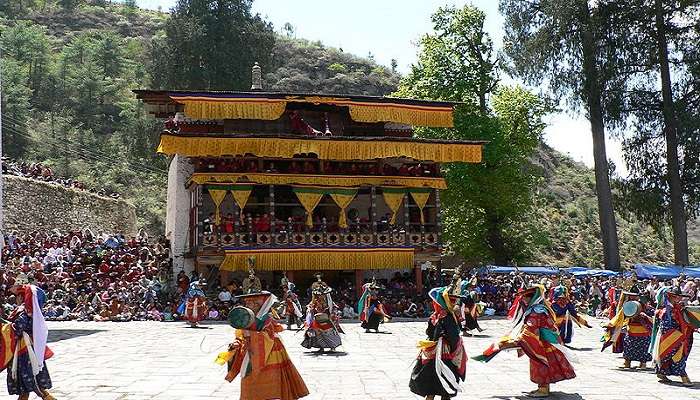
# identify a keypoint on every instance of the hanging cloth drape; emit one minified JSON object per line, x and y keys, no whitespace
{"x":421,"y":198}
{"x":218,"y":197}
{"x":241,"y":195}
{"x":343,"y":198}
{"x":393,"y":199}
{"x":309,"y":199}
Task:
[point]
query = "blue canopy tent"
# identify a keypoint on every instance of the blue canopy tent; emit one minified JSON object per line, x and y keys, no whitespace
{"x":535,"y":270}
{"x":645,"y":271}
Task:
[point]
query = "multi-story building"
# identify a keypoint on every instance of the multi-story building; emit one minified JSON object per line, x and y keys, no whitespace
{"x":303,"y":183}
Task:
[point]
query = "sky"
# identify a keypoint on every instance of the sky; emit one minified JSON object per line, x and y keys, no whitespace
{"x":389,"y":29}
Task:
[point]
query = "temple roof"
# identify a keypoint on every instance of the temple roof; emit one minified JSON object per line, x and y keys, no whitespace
{"x":271,"y":106}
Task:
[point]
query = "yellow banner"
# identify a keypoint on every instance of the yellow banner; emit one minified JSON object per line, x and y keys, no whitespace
{"x":309,"y":200}
{"x":319,"y":259}
{"x":393,"y":200}
{"x":343,"y":201}
{"x":421,"y":199}
{"x":325,"y":149}
{"x":325,"y":180}
{"x":218,"y":197}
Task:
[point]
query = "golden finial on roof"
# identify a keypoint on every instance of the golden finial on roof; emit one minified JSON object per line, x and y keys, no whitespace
{"x":257,"y":78}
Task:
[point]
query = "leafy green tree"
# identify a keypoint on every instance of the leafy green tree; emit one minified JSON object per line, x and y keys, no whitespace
{"x":30,"y":46}
{"x":456,"y":63}
{"x":211,"y":45}
{"x":560,"y":43}
{"x":16,"y":96}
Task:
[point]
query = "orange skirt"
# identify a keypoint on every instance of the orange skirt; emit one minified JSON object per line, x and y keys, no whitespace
{"x":279,"y":380}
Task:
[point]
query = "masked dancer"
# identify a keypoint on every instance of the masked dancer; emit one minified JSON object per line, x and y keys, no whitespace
{"x":323,"y":328}
{"x":257,"y":353}
{"x":672,"y":334}
{"x":536,"y":335}
{"x":292,"y":307}
{"x":194,"y":307}
{"x":23,"y":343}
{"x":370,"y":308}
{"x":566,"y":313}
{"x":442,"y":361}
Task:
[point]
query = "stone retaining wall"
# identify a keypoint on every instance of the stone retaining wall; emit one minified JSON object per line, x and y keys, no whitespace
{"x":30,"y":205}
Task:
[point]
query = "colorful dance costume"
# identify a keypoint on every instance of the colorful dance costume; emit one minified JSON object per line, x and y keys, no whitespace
{"x":23,"y":349}
{"x":470,"y":309}
{"x":258,"y":355}
{"x":195,"y":305}
{"x":370,"y":308}
{"x":566,"y":314}
{"x":672,"y":335}
{"x":442,"y":361}
{"x":323,"y":327}
{"x":536,"y":335}
{"x":292,"y":307}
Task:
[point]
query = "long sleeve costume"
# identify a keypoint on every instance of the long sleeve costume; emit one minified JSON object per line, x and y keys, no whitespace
{"x":671,"y":337}
{"x":23,"y":345}
{"x":536,"y":335}
{"x":260,"y":358}
{"x":442,"y":361}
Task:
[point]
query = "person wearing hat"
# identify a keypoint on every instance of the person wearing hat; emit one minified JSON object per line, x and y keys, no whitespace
{"x":195,"y":306}
{"x":671,"y":336}
{"x":565,"y":313}
{"x":536,"y":335}
{"x":26,"y":368}
{"x":442,"y":361}
{"x":292,"y":307}
{"x":258,"y":354}
{"x":370,"y":308}
{"x":469,"y":307}
{"x":637,"y":338}
{"x":323,"y":328}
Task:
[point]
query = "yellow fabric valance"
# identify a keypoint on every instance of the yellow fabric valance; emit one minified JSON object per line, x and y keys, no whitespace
{"x":309,"y":200}
{"x":233,"y":108}
{"x":408,"y":115}
{"x":421,"y":199}
{"x":325,"y":149}
{"x":217,"y":197}
{"x":319,"y":259}
{"x":329,"y":180}
{"x":393,"y":200}
{"x":221,"y":107}
{"x":343,"y":200}
{"x":240,"y":196}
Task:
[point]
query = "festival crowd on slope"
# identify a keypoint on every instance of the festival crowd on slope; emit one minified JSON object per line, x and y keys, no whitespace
{"x":44,"y":173}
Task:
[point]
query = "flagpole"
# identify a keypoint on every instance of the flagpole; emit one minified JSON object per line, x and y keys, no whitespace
{"x":2,"y":183}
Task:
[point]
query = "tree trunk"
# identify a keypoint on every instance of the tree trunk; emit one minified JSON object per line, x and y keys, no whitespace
{"x":678,"y":217}
{"x":592,"y":94}
{"x":494,"y":236}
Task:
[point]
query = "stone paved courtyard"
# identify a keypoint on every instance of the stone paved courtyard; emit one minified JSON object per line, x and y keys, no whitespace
{"x":149,"y":360}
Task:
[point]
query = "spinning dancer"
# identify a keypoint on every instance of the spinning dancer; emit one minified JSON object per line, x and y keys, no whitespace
{"x":535,"y":334}
{"x":442,"y":361}
{"x":323,"y":330}
{"x":195,"y":305}
{"x":566,"y":313}
{"x":292,"y":307}
{"x":672,"y":335}
{"x":23,"y":343}
{"x":251,"y":284}
{"x":633,"y":323}
{"x":370,"y":308}
{"x":469,"y":310}
{"x":258,"y":355}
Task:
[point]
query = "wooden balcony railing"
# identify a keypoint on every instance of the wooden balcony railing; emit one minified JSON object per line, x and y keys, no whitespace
{"x":291,"y":239}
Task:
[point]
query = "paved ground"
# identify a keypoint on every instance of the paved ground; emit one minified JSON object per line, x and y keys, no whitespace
{"x":147,"y":360}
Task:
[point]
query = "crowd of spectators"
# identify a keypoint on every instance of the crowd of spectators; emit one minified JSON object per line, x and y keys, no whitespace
{"x":90,"y":277}
{"x":44,"y":173}
{"x":111,"y":277}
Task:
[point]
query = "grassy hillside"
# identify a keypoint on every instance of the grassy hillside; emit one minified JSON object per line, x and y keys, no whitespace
{"x":69,"y":103}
